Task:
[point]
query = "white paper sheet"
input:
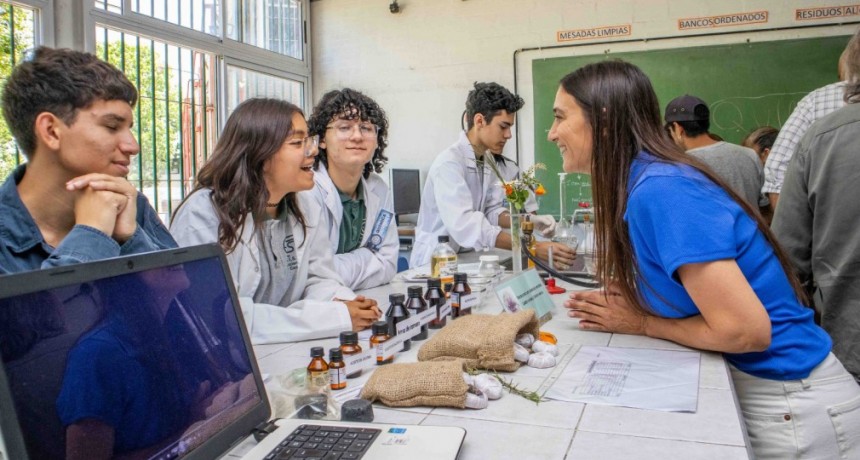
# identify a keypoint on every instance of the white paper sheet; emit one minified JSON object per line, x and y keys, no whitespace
{"x":631,"y":377}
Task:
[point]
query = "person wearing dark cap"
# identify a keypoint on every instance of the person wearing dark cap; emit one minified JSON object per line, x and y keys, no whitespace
{"x":687,"y":121}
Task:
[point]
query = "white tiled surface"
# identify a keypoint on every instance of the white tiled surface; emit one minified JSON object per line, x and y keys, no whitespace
{"x":497,"y":440}
{"x":513,"y":427}
{"x":601,"y":446}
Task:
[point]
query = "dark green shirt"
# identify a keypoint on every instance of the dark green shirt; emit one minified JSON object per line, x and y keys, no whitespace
{"x":352,"y":225}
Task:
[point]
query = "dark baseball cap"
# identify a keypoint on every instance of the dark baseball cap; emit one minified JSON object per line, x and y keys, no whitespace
{"x":687,"y":108}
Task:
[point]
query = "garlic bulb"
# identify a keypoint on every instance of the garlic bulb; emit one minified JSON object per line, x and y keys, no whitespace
{"x":476,"y":399}
{"x":541,"y":360}
{"x":489,"y":385}
{"x":540,"y":346}
{"x":525,"y":340}
{"x":521,"y":353}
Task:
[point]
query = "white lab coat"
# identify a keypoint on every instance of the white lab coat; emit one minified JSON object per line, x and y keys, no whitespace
{"x":362,"y":268}
{"x":511,"y":171}
{"x":311,"y":313}
{"x":459,"y":202}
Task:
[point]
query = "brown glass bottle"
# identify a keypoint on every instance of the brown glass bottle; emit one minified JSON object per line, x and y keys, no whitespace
{"x":529,"y":241}
{"x":336,"y":369}
{"x":317,"y":369}
{"x":416,"y":304}
{"x":436,"y":299}
{"x":380,"y":336}
{"x":396,"y":313}
{"x":349,"y":346}
{"x":461,"y":289}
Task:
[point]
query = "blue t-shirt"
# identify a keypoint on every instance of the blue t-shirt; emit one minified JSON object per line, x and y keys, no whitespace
{"x":677,"y":216}
{"x":107,"y":379}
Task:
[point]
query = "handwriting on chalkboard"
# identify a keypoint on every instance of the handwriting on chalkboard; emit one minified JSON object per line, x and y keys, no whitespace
{"x":745,"y":113}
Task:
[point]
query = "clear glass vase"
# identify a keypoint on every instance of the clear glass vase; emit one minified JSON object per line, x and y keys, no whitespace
{"x":517,"y":217}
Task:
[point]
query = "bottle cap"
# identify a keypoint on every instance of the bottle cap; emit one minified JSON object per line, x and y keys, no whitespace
{"x":317,"y":352}
{"x":492,"y":258}
{"x":443,"y":238}
{"x":461,"y":277}
{"x":396,"y":298}
{"x":349,"y":338}
{"x":415,"y":291}
{"x":335,"y":354}
{"x":434,"y":282}
{"x":357,"y":410}
{"x":528,"y":226}
{"x":379,"y":328}
{"x":448,"y":286}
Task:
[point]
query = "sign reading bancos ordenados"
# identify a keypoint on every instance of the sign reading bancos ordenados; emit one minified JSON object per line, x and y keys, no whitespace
{"x":723,"y":20}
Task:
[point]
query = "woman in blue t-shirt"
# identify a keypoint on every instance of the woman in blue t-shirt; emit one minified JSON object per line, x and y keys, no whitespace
{"x":683,"y":258}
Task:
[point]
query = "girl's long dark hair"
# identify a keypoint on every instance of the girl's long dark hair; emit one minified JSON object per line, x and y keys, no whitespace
{"x":254,"y":132}
{"x":622,"y":109}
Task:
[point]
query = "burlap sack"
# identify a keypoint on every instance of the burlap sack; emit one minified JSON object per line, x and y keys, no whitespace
{"x":481,"y":341}
{"x":417,"y":384}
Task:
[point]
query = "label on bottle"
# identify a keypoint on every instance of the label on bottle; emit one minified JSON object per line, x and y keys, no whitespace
{"x":455,"y":300}
{"x":427,"y":316}
{"x":392,"y":346}
{"x":382,"y":354}
{"x":318,"y":379}
{"x":337,"y":376}
{"x":445,"y":310}
{"x":360,"y":361}
{"x":409,"y":327}
{"x":469,"y":301}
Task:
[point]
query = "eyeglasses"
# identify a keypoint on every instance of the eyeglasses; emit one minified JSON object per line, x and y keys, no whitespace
{"x":344,"y":131}
{"x":310,"y":145}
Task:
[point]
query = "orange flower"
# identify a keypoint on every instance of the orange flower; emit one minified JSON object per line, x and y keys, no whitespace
{"x":540,"y":190}
{"x":509,"y":189}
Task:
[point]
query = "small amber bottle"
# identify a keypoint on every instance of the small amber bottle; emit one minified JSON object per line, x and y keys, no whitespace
{"x":436,"y":299}
{"x":336,"y":369}
{"x":349,"y":346}
{"x":529,"y":241}
{"x":461,"y":289}
{"x":380,"y":336}
{"x":318,"y":369}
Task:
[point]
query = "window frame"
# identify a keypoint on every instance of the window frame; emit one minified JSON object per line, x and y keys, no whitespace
{"x":224,"y":49}
{"x":43,"y":18}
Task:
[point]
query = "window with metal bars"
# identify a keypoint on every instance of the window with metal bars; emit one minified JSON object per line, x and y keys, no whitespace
{"x":182,"y":103}
{"x":17,"y":35}
{"x":175,"y":117}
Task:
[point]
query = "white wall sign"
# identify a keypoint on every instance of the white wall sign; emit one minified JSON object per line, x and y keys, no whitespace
{"x":826,"y":12}
{"x":622,"y":30}
{"x":725,"y":20}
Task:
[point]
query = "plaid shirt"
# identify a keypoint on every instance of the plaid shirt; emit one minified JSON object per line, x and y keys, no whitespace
{"x":813,"y":106}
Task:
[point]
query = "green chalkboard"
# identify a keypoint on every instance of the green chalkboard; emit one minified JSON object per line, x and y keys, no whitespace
{"x":746,"y":85}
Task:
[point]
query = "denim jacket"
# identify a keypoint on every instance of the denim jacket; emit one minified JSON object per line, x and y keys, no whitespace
{"x":22,"y":247}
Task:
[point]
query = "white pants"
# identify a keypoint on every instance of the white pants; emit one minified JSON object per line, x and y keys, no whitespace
{"x":813,"y":418}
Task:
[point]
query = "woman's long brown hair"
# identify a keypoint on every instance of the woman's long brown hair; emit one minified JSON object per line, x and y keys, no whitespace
{"x":254,"y":132}
{"x":622,"y":109}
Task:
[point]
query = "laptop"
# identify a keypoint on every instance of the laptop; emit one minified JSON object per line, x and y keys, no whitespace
{"x":148,"y":356}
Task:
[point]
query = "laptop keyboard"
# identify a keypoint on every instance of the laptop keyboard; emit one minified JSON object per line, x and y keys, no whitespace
{"x":310,"y":442}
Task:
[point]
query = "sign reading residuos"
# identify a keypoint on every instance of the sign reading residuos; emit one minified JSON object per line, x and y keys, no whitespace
{"x":826,"y":12}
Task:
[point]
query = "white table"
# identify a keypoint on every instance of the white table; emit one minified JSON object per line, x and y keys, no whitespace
{"x":515,"y":428}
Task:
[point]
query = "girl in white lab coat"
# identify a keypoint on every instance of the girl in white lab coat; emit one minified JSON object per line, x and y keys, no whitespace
{"x":245,"y":200}
{"x":356,"y":205}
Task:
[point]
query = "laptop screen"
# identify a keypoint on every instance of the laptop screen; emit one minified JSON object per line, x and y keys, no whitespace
{"x":144,"y":364}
